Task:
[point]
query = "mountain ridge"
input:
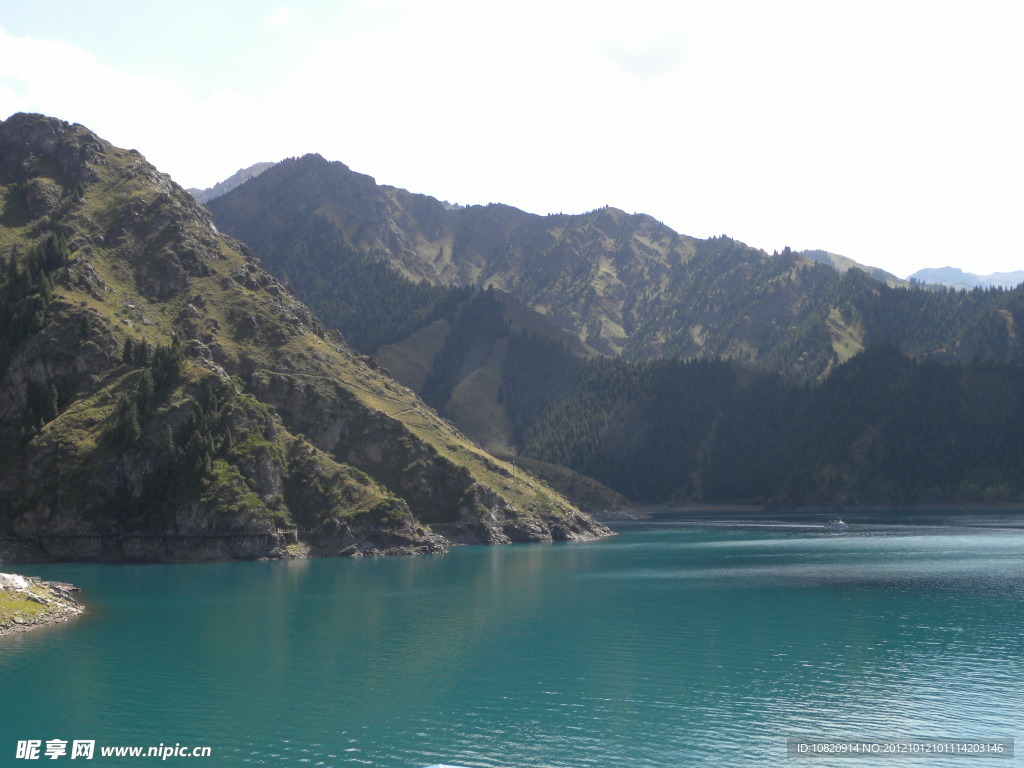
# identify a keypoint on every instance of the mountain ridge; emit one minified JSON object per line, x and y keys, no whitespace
{"x":623,"y":284}
{"x":845,"y":264}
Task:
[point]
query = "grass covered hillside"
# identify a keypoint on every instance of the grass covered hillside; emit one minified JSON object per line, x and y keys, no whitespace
{"x":162,"y":396}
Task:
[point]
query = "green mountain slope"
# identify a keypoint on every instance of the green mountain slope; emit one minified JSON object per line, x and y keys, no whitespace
{"x":623,"y":284}
{"x":163,"y":397}
{"x":457,"y":363}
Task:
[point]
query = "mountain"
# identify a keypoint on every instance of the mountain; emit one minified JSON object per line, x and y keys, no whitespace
{"x":623,"y":284}
{"x":616,"y":281}
{"x":953,"y":277}
{"x":844,"y":264}
{"x":163,"y":397}
{"x":223,"y":187}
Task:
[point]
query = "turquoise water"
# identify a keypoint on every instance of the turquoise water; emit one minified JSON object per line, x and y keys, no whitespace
{"x":669,"y":645}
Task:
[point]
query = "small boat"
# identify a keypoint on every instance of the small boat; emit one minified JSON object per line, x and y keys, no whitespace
{"x":836,"y":524}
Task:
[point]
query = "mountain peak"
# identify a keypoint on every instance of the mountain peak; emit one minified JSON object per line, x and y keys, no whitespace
{"x":33,"y":145}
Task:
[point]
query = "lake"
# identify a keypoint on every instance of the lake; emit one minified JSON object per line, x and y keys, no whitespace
{"x":677,"y":643}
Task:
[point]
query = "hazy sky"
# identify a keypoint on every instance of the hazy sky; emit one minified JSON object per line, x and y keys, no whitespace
{"x":890,"y":132}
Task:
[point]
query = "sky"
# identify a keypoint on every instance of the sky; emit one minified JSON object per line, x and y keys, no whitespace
{"x":889,"y":132}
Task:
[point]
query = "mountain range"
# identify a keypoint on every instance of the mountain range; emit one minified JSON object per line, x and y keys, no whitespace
{"x":954,"y":277}
{"x":566,"y":339}
{"x":623,"y":284}
{"x":368,"y":370}
{"x":950,"y":277}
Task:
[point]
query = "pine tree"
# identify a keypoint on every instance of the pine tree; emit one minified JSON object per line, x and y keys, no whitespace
{"x":132,"y":429}
{"x":144,"y":391}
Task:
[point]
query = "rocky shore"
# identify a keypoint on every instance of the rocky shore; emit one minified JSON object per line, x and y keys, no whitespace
{"x":333,"y":538}
{"x":29,"y":603}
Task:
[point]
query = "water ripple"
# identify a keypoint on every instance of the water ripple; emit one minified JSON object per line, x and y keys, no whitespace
{"x":667,"y":647}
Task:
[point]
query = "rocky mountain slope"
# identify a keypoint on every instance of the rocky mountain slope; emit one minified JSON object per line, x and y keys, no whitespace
{"x":163,"y":397}
{"x":624,"y":284}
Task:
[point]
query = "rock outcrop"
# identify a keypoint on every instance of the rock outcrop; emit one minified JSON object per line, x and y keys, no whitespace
{"x":29,"y":603}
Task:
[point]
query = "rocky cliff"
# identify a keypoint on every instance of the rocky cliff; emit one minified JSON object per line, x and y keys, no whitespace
{"x":163,"y":397}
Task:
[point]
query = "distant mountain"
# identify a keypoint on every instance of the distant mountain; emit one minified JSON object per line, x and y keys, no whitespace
{"x":163,"y":397}
{"x":844,"y":264}
{"x":223,"y":187}
{"x":622,"y":284}
{"x":953,"y":277}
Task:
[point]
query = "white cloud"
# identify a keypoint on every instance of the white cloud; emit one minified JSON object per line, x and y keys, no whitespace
{"x":175,"y":131}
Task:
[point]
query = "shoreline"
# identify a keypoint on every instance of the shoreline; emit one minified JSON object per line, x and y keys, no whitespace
{"x":344,"y":541}
{"x":28,"y":603}
{"x":654,"y":509}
